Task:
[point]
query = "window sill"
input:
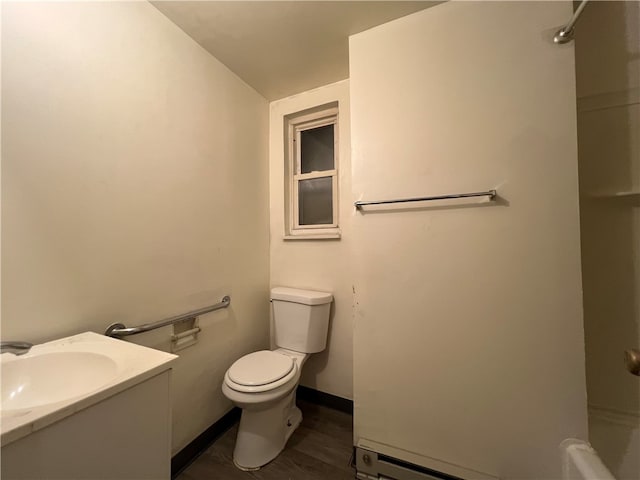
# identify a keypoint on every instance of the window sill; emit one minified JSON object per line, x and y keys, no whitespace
{"x":318,"y":236}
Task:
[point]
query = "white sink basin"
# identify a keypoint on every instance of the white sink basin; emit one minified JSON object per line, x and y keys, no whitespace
{"x":52,"y":377}
{"x":62,"y":377}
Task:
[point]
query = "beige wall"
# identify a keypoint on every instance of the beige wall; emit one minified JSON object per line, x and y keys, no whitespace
{"x":608,"y":81}
{"x":317,"y":264}
{"x":468,"y":352}
{"x":134,"y":186}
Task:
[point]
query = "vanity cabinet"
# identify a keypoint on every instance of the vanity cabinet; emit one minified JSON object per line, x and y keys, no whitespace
{"x":125,"y":436}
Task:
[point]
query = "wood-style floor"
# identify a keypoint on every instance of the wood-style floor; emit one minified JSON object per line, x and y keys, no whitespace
{"x":320,"y":449}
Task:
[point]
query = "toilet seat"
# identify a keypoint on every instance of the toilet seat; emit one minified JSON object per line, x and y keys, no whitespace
{"x":260,"y":372}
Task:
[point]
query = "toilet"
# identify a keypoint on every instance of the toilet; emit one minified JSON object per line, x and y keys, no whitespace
{"x":263,"y":383}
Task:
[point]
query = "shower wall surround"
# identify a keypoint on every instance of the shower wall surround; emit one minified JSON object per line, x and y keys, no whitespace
{"x":608,"y":84}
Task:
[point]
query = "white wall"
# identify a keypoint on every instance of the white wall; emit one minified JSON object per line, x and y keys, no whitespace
{"x":468,"y":352}
{"x":608,"y":81}
{"x":134,"y":187}
{"x":317,"y":264}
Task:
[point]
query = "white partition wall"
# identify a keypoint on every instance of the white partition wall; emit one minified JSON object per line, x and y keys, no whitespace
{"x":468,"y":350}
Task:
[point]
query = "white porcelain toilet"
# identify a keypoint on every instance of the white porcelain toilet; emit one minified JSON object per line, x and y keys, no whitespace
{"x":264,"y":383}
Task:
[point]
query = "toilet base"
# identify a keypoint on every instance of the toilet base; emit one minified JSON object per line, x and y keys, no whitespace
{"x":264,"y":431}
{"x":245,"y":469}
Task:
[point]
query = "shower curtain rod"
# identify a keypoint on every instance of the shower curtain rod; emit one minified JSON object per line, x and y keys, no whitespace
{"x":565,"y":34}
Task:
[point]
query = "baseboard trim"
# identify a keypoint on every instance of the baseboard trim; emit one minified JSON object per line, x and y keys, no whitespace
{"x":188,"y":454}
{"x":325,"y":399}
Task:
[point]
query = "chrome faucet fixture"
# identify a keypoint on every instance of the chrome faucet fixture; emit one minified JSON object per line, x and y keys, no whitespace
{"x":17,"y":348}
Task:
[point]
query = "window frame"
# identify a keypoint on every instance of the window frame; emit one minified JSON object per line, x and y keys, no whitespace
{"x":297,"y":125}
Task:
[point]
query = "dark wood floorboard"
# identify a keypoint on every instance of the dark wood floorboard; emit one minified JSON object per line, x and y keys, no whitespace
{"x":320,"y":449}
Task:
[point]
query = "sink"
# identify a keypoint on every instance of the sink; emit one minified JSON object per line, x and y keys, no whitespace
{"x":48,"y":378}
{"x":88,"y":407}
{"x":57,"y":379}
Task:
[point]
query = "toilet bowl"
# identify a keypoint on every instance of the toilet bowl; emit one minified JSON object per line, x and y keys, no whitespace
{"x":263,"y":383}
{"x":269,"y":413}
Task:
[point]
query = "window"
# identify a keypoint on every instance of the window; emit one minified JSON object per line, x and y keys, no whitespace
{"x":312,"y":172}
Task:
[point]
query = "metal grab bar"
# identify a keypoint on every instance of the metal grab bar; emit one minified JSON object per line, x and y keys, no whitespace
{"x":17,"y":348}
{"x":490,"y":193}
{"x":118,"y":330}
{"x":565,"y":34}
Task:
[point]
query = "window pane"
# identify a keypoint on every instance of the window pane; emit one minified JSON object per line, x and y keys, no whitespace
{"x":316,"y":149}
{"x":315,"y":201}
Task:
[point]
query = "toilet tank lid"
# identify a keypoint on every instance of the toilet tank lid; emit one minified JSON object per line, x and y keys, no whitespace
{"x":306,"y":297}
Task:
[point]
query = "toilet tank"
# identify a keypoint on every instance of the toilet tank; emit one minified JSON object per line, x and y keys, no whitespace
{"x":301,"y":319}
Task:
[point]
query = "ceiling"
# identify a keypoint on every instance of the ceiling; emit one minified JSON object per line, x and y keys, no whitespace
{"x":283,"y":47}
